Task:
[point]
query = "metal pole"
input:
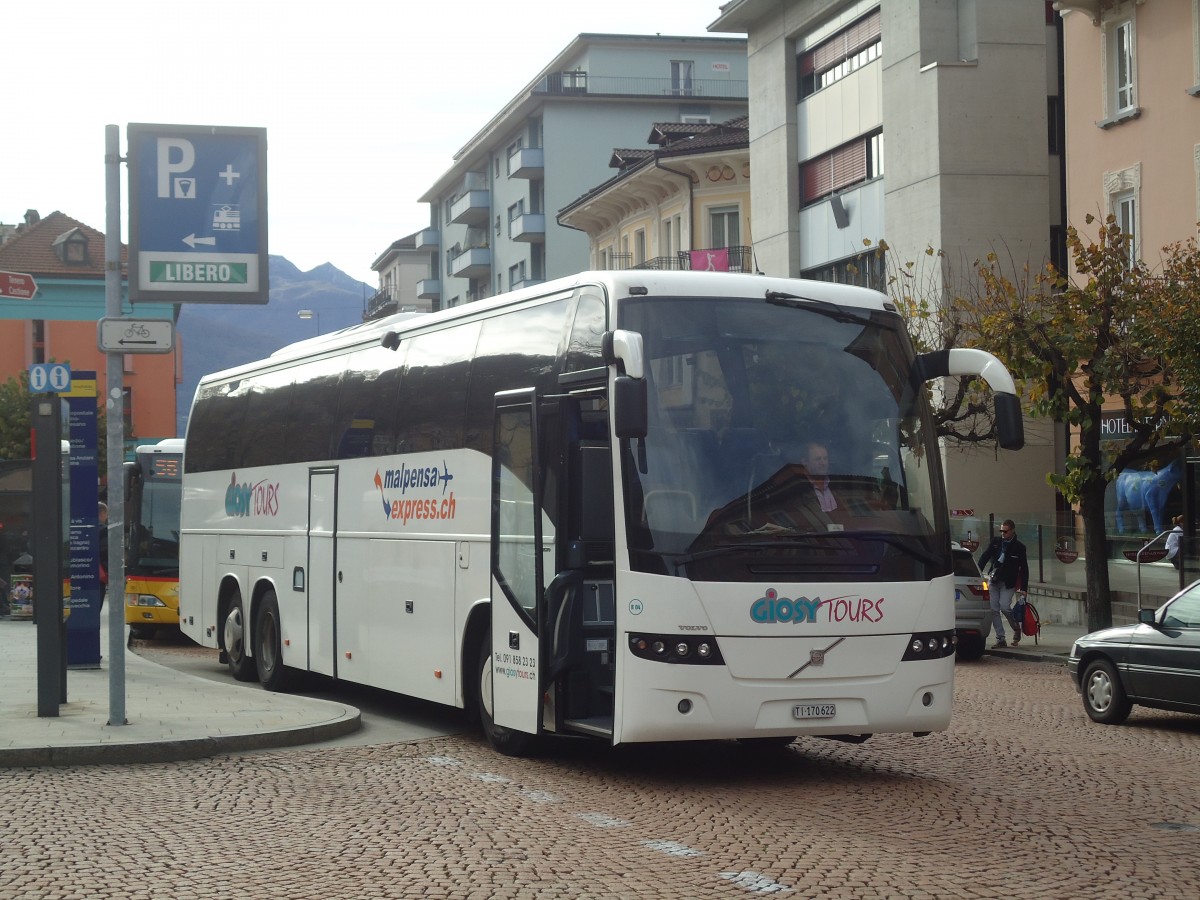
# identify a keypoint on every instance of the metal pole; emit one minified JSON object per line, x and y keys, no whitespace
{"x":115,"y":410}
{"x":1041,"y":557}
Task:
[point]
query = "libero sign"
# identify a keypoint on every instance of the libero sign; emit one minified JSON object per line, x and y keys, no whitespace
{"x":198,"y":214}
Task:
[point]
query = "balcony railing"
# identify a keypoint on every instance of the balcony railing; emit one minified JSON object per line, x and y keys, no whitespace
{"x":429,"y":289}
{"x":475,"y":262}
{"x":527,"y":162}
{"x":427,"y":239}
{"x":715,"y":259}
{"x":471,"y":208}
{"x":379,"y":303}
{"x":580,"y":83}
{"x":529,"y":228}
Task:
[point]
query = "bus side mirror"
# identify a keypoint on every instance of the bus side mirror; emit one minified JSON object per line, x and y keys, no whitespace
{"x":629,"y":406}
{"x":1010,"y":429}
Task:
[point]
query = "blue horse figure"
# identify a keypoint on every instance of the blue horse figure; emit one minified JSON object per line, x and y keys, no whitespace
{"x":1141,"y":491}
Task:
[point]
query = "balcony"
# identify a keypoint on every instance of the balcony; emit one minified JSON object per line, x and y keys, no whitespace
{"x":429,"y":239}
{"x":472,"y":208}
{"x":712,"y":259}
{"x":381,"y":304}
{"x":529,"y":228}
{"x":475,"y":262}
{"x":581,"y":83}
{"x":429,"y":289}
{"x":527,"y":162}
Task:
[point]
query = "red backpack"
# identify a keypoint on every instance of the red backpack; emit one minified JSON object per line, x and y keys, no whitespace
{"x":1025,"y":614}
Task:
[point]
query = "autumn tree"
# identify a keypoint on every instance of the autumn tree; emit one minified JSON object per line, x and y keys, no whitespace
{"x":1080,"y":343}
{"x":14,"y":418}
{"x":939,"y":313}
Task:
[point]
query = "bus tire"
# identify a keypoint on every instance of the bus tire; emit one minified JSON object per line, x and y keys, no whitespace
{"x":143,"y":632}
{"x":234,"y":631}
{"x":268,"y":647}
{"x":505,"y":740}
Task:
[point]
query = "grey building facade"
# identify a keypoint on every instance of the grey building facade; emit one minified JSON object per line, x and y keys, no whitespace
{"x":492,"y":214}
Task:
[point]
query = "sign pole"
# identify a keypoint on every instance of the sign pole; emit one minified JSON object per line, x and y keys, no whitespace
{"x":115,"y":410}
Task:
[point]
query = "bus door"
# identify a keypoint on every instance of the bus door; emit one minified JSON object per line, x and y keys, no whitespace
{"x":518,"y":553}
{"x":322,"y":584}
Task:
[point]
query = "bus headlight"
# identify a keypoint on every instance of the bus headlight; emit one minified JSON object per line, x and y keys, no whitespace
{"x":930,"y":645}
{"x":697,"y":651}
{"x":143,"y":600}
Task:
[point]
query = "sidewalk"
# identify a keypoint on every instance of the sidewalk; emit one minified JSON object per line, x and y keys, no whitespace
{"x":171,"y":715}
{"x":1053,"y":645}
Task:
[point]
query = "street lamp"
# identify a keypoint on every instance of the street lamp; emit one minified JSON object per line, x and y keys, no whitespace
{"x":310,"y":314}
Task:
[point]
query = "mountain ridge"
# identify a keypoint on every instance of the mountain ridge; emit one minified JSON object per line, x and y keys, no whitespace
{"x":217,"y":336}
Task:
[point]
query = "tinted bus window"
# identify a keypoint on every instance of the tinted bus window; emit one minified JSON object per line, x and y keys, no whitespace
{"x":313,"y":410}
{"x":591,"y":321}
{"x":433,"y":390}
{"x":365,"y":424}
{"x":268,"y":418}
{"x":218,"y":413}
{"x":517,"y":350}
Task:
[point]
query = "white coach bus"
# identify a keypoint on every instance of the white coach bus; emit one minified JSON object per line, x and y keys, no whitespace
{"x":583,"y":508}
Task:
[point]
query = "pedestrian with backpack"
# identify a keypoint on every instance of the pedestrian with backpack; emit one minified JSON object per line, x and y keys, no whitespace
{"x":1008,"y":576}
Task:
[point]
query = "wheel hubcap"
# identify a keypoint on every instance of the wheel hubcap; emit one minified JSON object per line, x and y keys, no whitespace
{"x":485,"y":689}
{"x":235,"y":632}
{"x":1100,"y":691}
{"x":267,"y":651}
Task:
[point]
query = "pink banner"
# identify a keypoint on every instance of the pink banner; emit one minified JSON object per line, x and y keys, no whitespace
{"x":710,"y":260}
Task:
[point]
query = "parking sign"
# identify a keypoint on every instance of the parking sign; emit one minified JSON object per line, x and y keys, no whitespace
{"x":197,"y":214}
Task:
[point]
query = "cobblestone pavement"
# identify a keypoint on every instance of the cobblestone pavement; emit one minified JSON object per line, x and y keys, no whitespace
{"x":1023,"y":797}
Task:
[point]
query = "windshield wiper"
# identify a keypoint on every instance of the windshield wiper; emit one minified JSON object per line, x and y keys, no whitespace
{"x":823,"y":307}
{"x":797,"y":540}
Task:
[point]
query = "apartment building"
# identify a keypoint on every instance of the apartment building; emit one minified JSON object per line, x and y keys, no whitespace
{"x":401,"y":268}
{"x":681,"y":203}
{"x":1132,"y":75}
{"x":924,"y":123}
{"x":492,"y":224}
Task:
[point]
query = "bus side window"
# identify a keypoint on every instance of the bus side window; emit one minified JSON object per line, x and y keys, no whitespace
{"x":591,"y":321}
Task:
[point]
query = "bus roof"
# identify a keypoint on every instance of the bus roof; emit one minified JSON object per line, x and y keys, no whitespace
{"x":618,"y":283}
{"x":166,"y":445}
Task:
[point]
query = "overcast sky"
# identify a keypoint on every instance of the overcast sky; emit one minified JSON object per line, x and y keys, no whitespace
{"x":365,"y":102}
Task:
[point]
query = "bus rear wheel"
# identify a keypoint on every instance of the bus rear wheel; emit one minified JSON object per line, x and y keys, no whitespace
{"x":234,"y":630}
{"x":268,"y":647}
{"x":505,"y":740}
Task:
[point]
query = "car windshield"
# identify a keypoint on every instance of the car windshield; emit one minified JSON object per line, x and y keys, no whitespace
{"x":782,"y":437}
{"x":1184,"y":610}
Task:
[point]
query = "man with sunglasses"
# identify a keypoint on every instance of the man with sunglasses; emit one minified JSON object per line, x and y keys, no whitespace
{"x":1009,"y":576}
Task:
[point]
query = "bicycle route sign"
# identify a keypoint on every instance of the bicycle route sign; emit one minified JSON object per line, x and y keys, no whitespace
{"x":135,"y":335}
{"x":197,"y":214}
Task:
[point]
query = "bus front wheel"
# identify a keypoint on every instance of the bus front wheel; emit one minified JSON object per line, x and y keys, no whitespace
{"x":240,"y":663}
{"x":506,"y":740}
{"x":268,"y":647}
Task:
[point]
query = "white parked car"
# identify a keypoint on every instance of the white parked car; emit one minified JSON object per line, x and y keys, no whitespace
{"x":972,"y":605}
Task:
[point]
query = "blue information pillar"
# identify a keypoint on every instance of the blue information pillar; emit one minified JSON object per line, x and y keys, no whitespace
{"x":83,"y":625}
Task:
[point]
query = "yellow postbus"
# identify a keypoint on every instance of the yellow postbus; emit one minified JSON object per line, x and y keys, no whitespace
{"x":152,"y":497}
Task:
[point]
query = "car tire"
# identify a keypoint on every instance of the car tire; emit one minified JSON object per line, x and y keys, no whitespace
{"x":268,"y":647}
{"x":505,"y":740}
{"x":241,"y":664}
{"x":970,"y":648}
{"x":1104,"y":697}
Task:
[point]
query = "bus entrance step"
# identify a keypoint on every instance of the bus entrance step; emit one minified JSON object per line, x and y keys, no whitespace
{"x":601,"y":725}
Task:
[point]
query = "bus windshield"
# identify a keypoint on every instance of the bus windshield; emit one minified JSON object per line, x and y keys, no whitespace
{"x":154,"y":516}
{"x":784,"y":440}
